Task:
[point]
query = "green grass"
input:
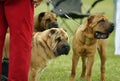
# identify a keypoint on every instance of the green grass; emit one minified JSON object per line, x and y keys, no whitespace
{"x":60,"y":68}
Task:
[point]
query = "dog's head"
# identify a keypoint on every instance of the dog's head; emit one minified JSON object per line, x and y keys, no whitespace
{"x":47,"y":20}
{"x":100,"y":26}
{"x":58,"y":41}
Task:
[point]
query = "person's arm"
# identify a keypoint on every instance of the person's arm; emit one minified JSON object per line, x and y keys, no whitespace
{"x":36,"y":2}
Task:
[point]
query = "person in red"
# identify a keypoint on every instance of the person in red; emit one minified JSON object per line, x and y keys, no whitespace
{"x":18,"y":16}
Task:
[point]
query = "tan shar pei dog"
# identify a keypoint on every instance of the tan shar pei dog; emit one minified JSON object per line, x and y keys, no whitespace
{"x":46,"y":45}
{"x":88,"y":37}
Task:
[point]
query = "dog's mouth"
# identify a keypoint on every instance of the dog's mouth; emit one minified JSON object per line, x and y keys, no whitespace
{"x":106,"y":33}
{"x":53,"y":25}
{"x":62,"y":50}
{"x":100,"y":35}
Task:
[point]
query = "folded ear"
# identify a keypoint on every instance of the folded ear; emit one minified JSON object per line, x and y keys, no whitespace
{"x":52,"y":31}
{"x":41,"y":15}
{"x":88,"y":22}
{"x":90,"y":19}
{"x":64,"y":29}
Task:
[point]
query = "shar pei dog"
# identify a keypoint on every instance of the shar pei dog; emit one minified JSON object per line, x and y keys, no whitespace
{"x":46,"y":45}
{"x":91,"y":35}
{"x":45,"y":20}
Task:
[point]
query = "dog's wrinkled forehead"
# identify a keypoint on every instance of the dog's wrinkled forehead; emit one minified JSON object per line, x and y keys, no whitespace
{"x":50,"y":15}
{"x":96,"y":18}
{"x":59,"y":32}
{"x":47,"y":16}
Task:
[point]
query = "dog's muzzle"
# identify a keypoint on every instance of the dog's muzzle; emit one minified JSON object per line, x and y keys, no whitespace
{"x":53,"y":25}
{"x":110,"y":29}
{"x":100,"y":35}
{"x":63,"y":49}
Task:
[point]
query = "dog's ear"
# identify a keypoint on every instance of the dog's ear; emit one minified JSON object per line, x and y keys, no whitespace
{"x":41,"y":15}
{"x":90,"y":19}
{"x":64,"y":29}
{"x":52,"y":31}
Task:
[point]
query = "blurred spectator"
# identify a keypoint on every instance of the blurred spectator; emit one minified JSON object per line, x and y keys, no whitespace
{"x":117,"y":29}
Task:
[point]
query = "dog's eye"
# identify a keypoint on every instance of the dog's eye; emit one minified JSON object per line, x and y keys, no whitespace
{"x":102,"y":21}
{"x":58,"y":39}
{"x":48,"y":20}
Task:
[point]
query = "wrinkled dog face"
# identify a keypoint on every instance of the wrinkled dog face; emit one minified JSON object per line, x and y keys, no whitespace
{"x":48,"y":20}
{"x":58,"y":40}
{"x":101,"y":26}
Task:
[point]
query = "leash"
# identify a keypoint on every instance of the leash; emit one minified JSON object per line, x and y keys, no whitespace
{"x":77,"y":23}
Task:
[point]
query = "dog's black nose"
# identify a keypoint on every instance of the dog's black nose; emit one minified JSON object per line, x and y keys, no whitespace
{"x":112,"y":25}
{"x":55,"y":24}
{"x":111,"y":28}
{"x":65,"y":49}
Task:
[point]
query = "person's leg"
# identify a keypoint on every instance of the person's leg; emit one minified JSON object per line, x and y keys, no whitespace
{"x":117,"y":30}
{"x":3,"y":28}
{"x":19,"y":14}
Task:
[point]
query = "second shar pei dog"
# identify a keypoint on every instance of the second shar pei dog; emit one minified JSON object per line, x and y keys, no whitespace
{"x":91,"y":35}
{"x":45,"y":20}
{"x":46,"y":45}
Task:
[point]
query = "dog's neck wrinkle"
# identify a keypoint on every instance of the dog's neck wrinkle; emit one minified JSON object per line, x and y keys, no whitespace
{"x":85,"y":40}
{"x":86,"y":28}
{"x":89,"y":29}
{"x":90,"y":41}
{"x":44,"y":44}
{"x":86,"y":35}
{"x":48,"y":52}
{"x":41,"y":28}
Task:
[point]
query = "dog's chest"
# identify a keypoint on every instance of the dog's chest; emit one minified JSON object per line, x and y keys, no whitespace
{"x":87,"y":47}
{"x":88,"y":41}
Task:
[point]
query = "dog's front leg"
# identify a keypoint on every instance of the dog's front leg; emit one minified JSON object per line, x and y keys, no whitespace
{"x":90,"y":62}
{"x":75,"y":59}
{"x":37,"y":77}
{"x":102,"y":53}
{"x":32,"y":74}
{"x":84,"y":59}
{"x":103,"y":60}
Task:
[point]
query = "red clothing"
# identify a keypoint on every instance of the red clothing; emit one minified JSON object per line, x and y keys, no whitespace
{"x":18,"y":16}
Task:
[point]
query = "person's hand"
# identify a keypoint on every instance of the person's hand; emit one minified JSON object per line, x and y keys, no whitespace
{"x":36,"y":2}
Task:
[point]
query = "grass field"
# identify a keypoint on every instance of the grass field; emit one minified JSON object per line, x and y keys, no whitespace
{"x":60,"y":68}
